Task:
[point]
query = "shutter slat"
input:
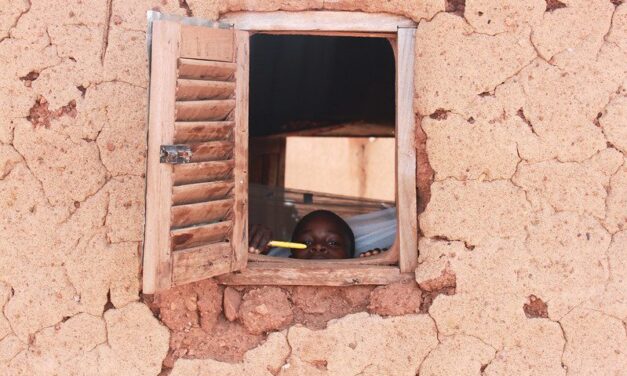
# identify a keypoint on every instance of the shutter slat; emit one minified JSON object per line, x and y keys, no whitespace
{"x":202,"y":172}
{"x":211,"y":151}
{"x":200,"y":89}
{"x":209,"y":70}
{"x":190,"y":237}
{"x":204,"y":110}
{"x":202,"y":131}
{"x":192,"y":264}
{"x":201,"y":213}
{"x":193,"y":193}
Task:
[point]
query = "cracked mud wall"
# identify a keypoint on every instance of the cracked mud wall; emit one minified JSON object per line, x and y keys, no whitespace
{"x":522,"y":106}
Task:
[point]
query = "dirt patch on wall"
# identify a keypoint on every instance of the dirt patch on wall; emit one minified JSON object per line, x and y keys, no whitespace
{"x":536,"y":308}
{"x":424,"y":171}
{"x":40,"y":115}
{"x":207,"y":320}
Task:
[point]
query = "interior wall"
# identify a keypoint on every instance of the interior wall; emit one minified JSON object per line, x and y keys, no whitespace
{"x":349,"y":166}
{"x":522,"y":270}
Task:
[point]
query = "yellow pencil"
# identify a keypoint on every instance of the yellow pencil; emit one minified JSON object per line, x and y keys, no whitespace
{"x":278,"y":243}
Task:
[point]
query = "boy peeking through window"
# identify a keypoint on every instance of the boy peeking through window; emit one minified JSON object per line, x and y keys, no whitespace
{"x":326,"y":235}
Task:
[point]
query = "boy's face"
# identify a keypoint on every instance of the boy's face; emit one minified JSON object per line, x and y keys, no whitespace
{"x":325,"y":239}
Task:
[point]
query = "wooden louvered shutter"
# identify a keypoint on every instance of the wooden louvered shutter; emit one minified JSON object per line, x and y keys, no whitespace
{"x":196,"y":211}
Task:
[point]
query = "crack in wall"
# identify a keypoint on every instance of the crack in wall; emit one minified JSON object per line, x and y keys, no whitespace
{"x":564,"y":366}
{"x":286,"y":361}
{"x":4,"y":308}
{"x":41,"y":183}
{"x":540,"y":56}
{"x":363,"y":370}
{"x":105,"y":33}
{"x":608,"y":192}
{"x":607,"y":33}
{"x":17,"y":20}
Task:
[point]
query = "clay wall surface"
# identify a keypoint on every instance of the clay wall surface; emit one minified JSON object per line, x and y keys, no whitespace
{"x":522,"y":110}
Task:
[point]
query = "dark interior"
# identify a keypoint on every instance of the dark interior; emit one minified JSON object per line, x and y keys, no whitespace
{"x":302,"y":82}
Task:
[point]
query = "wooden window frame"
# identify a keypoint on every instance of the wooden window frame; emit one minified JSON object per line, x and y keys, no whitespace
{"x":376,"y":270}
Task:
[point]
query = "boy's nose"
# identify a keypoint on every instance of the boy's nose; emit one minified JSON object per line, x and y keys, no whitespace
{"x":319,"y":247}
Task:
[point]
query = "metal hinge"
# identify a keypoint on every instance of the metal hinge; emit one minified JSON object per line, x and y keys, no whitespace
{"x":175,"y":154}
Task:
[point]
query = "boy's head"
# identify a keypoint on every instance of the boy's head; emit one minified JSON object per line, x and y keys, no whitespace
{"x":326,"y":235}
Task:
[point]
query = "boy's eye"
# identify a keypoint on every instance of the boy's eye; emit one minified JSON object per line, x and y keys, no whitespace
{"x":308,"y":243}
{"x":332,"y":243}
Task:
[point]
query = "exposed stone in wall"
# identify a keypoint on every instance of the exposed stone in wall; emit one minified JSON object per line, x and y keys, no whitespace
{"x":397,"y":299}
{"x":265,"y":309}
{"x":231,"y":302}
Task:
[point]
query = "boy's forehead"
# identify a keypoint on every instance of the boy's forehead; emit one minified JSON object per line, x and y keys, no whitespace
{"x":326,"y":222}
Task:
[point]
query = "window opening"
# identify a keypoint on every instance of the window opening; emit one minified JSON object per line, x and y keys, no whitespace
{"x":197,"y":190}
{"x":321,"y":126}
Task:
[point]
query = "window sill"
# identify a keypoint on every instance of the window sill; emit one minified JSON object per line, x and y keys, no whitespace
{"x":331,"y":275}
